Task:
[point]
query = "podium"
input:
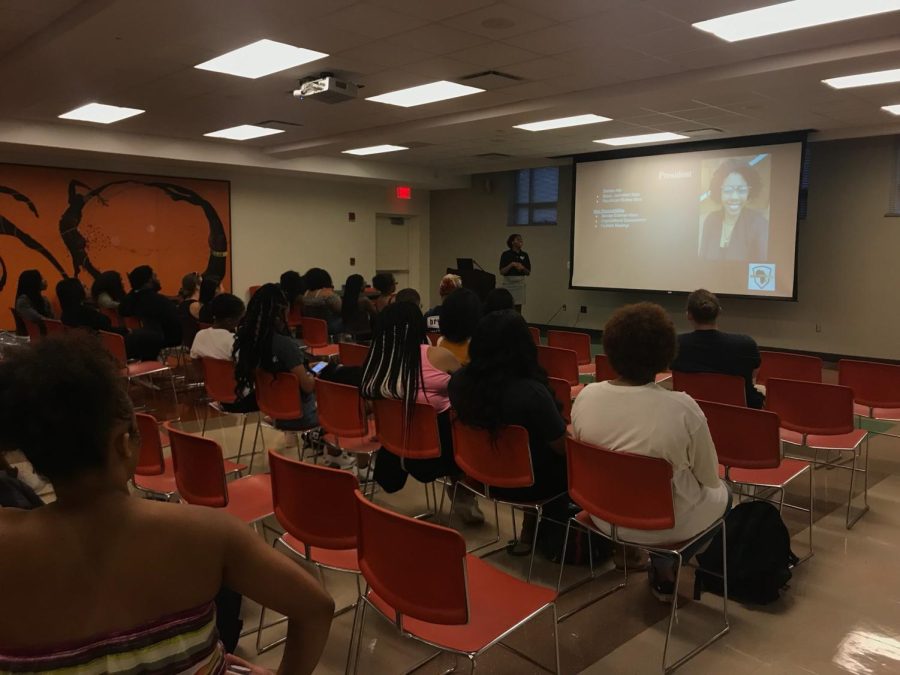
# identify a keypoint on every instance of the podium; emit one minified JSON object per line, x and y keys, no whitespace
{"x":476,"y":280}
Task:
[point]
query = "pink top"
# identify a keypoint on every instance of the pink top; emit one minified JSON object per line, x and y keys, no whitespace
{"x":436,"y":382}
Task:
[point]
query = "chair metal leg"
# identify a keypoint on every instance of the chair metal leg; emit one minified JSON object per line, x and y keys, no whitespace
{"x":556,"y":639}
{"x":851,"y":521}
{"x":362,"y":621}
{"x":241,"y":442}
{"x":537,"y":526}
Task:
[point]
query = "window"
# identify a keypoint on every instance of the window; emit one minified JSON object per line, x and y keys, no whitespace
{"x":536,"y":196}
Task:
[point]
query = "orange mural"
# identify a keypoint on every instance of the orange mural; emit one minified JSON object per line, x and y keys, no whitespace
{"x":69,"y":222}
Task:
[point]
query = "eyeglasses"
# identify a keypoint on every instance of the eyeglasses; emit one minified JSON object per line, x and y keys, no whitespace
{"x":741,"y":191}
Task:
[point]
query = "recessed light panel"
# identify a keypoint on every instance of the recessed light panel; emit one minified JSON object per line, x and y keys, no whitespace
{"x":642,"y":138}
{"x":100,"y":113}
{"x":562,"y":122}
{"x":244,"y":132}
{"x":893,"y":109}
{"x":374,"y":149}
{"x":787,"y":16}
{"x":260,"y":58}
{"x":425,"y":93}
{"x":864,"y":79}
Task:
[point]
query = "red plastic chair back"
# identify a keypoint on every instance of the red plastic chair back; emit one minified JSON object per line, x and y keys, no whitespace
{"x":352,"y":354}
{"x":535,"y":334}
{"x":621,"y":488}
{"x":417,"y":440}
{"x":787,"y":366}
{"x":342,"y":411}
{"x":417,"y":567}
{"x":580,"y":343}
{"x":54,"y":327}
{"x":115,"y":345}
{"x":315,"y":331}
{"x":561,"y":363}
{"x":252,"y":291}
{"x":716,"y":387}
{"x":218,"y":375}
{"x":278,"y":395}
{"x":33,"y":329}
{"x":313,"y":503}
{"x":132,"y":322}
{"x":603,"y":369}
{"x":111,"y":314}
{"x":811,"y":407}
{"x":295,"y":315}
{"x":199,"y":470}
{"x":744,"y":438}
{"x":876,"y":385}
{"x":433,"y":337}
{"x":503,"y":461}
{"x":562,"y":390}
{"x":150,"y":461}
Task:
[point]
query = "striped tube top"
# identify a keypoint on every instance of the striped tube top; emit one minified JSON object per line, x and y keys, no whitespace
{"x":186,"y":643}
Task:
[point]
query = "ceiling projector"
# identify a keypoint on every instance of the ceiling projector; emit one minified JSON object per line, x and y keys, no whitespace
{"x":327,"y":89}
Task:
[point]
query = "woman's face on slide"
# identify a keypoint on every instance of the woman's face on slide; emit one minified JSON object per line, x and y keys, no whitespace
{"x":735,"y":192}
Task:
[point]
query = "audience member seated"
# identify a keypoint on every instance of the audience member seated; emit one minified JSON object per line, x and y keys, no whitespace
{"x":159,"y":315}
{"x":357,"y":311}
{"x":320,"y":301}
{"x":263,"y":342}
{"x":189,"y":306}
{"x":460,"y":314}
{"x":633,"y":414}
{"x":217,"y":342}
{"x":74,"y":312}
{"x":126,"y":584}
{"x":409,"y":295}
{"x":293,"y":287}
{"x":449,"y":283}
{"x":401,"y":365}
{"x":503,"y":384}
{"x":210,"y":287}
{"x":709,"y":350}
{"x":30,"y":301}
{"x":107,"y":290}
{"x":386,"y":285}
{"x":497,"y":300}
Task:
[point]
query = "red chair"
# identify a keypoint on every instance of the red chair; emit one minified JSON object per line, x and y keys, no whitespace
{"x":580,"y":343}
{"x":115,"y":345}
{"x":416,"y":437}
{"x":820,"y":417}
{"x":876,"y":388}
{"x":421,"y":579}
{"x":34,"y":330}
{"x":603,"y":370}
{"x":352,"y":354}
{"x":54,"y":327}
{"x":113,"y":315}
{"x":562,"y":390}
{"x":295,"y":316}
{"x":634,"y":492}
{"x":252,"y":291}
{"x":716,"y":387}
{"x":153,"y":474}
{"x":561,"y":363}
{"x":501,"y":461}
{"x":316,"y":507}
{"x":433,"y":337}
{"x":343,"y":417}
{"x":200,"y":477}
{"x":315,"y":335}
{"x":749,"y":448}
{"x":218,"y":377}
{"x":278,"y":397}
{"x":787,"y":366}
{"x":132,"y":322}
{"x":535,"y":334}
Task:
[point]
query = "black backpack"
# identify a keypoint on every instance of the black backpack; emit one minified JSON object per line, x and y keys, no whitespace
{"x":759,"y":556}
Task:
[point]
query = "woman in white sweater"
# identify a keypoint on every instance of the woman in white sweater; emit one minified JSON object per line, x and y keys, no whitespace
{"x":633,"y":414}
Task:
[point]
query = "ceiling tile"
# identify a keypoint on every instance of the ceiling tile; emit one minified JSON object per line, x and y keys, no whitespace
{"x":493,"y":55}
{"x":498,"y":21}
{"x":436,"y":39}
{"x":567,"y":10}
{"x":538,"y":69}
{"x":434,"y":11}
{"x":385,"y":53}
{"x":440,"y":68}
{"x":372,"y":21}
{"x":557,"y":39}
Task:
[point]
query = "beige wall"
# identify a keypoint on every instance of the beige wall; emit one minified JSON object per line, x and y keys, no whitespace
{"x":281,"y":222}
{"x":848,"y":278}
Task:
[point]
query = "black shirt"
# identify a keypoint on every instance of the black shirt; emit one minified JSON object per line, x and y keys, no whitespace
{"x":156,"y":312}
{"x":712,"y":351}
{"x":86,"y":317}
{"x":510,"y":256}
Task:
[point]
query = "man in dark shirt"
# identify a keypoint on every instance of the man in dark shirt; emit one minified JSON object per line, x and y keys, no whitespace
{"x":709,"y":350}
{"x":515,"y":265}
{"x":156,"y":312}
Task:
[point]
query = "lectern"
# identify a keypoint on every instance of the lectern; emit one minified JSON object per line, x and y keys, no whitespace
{"x":476,"y":280}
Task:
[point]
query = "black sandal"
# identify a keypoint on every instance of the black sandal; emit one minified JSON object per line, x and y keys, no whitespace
{"x":518,"y":548}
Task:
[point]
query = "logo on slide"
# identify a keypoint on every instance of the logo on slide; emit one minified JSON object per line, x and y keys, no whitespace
{"x":762,"y":277}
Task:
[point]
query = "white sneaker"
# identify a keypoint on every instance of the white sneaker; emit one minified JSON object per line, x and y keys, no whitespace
{"x":344,"y":461}
{"x":30,"y":478}
{"x":467,"y":506}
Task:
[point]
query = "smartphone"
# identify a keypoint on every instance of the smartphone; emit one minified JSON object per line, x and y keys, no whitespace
{"x":318,"y":367}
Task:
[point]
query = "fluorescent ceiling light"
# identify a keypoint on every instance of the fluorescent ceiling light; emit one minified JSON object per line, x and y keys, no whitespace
{"x":864,"y":79}
{"x":894,"y":109}
{"x":374,"y":149}
{"x":425,"y":93}
{"x":262,"y":57}
{"x":100,"y":113}
{"x":793,"y":15}
{"x":641,"y":138}
{"x":244,"y":132}
{"x":562,"y":122}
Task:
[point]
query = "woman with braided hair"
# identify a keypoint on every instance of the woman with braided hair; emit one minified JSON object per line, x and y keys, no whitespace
{"x":263,"y":342}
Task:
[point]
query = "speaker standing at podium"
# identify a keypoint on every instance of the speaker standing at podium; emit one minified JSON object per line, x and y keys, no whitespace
{"x":515,"y":265}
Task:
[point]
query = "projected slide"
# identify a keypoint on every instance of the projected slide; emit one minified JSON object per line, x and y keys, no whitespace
{"x":725,"y":220}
